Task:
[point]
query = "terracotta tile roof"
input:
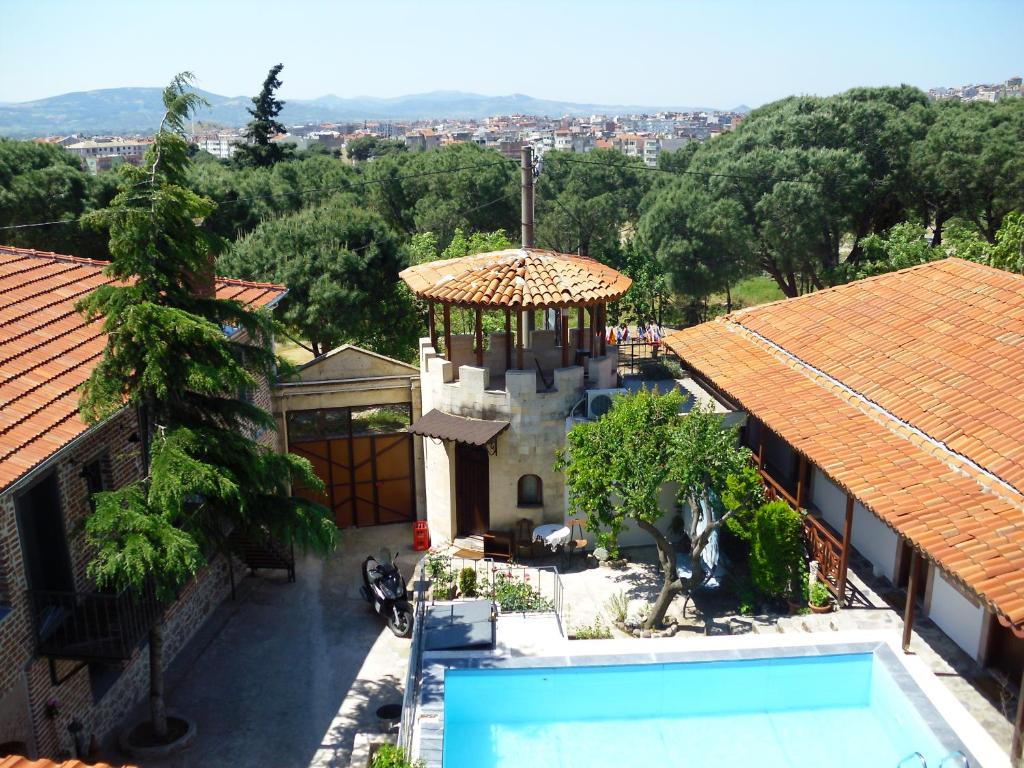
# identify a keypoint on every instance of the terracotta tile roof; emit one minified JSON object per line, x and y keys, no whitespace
{"x":518,"y":277}
{"x":14,"y":761}
{"x":902,"y":389}
{"x":47,"y":351}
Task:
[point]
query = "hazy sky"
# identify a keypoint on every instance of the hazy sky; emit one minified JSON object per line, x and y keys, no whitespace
{"x":714,"y":53}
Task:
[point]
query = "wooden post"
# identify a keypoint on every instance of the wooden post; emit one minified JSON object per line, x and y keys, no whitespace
{"x":432,"y":325}
{"x":508,"y":338}
{"x":602,"y":313}
{"x":447,"y":320}
{"x":563,"y":314}
{"x":844,"y":560}
{"x":908,"y":612}
{"x":760,"y":445}
{"x":519,"y":338}
{"x":801,"y":471}
{"x":580,"y":325}
{"x":479,"y":337}
{"x":1017,"y":747}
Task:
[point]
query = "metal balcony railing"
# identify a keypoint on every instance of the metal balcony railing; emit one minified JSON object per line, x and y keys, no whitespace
{"x":91,"y":626}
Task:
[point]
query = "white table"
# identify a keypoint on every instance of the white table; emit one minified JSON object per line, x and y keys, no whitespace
{"x":553,"y":535}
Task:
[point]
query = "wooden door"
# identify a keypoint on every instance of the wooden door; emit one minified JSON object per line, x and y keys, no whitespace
{"x":472,"y":490}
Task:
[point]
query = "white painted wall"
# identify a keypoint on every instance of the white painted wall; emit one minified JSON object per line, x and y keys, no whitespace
{"x":871,"y":537}
{"x":959,"y":617}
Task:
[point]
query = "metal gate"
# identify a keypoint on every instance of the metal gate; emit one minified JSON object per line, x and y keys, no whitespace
{"x":369,"y":478}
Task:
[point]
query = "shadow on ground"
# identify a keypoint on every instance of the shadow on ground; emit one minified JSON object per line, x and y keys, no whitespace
{"x":286,"y":674}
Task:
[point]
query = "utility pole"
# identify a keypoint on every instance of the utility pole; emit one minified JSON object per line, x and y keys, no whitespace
{"x":527,"y":212}
{"x":527,"y":208}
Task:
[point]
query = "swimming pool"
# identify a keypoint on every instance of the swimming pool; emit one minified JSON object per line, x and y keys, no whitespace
{"x":844,"y":710}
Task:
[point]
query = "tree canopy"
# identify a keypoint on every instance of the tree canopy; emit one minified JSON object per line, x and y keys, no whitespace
{"x":369,"y":147}
{"x":617,"y":466}
{"x":340,"y":263}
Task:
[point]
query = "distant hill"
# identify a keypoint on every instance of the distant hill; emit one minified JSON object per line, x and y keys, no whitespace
{"x":138,"y":110}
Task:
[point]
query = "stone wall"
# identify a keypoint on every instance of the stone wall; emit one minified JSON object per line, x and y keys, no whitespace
{"x":537,"y":427}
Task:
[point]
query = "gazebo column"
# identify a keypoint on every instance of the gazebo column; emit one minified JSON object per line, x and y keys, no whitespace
{"x":447,"y":320}
{"x":602,"y":311}
{"x":580,"y":327}
{"x":432,"y":325}
{"x":592,"y":312}
{"x":908,"y":611}
{"x":479,"y":337}
{"x":844,"y":560}
{"x":563,"y":315}
{"x":508,"y":338}
{"x":519,"y":339}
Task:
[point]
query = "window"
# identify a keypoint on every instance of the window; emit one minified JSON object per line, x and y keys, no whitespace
{"x":92,"y":473}
{"x":530,"y":494}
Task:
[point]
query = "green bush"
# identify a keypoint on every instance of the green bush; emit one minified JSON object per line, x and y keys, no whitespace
{"x":513,"y":595}
{"x":390,"y":756}
{"x":660,"y":370}
{"x":595,"y":631}
{"x":618,"y":606}
{"x":820,"y":596}
{"x":777,"y":551}
{"x":467,"y":582}
{"x":438,"y":565}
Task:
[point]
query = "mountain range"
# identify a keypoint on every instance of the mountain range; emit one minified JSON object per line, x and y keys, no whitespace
{"x":139,"y":110}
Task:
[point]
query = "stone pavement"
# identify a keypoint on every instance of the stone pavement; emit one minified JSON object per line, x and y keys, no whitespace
{"x":287,"y":674}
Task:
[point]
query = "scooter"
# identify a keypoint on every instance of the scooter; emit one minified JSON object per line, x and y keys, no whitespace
{"x":384,"y":589}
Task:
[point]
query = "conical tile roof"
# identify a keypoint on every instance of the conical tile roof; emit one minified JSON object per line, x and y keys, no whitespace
{"x":531,"y":278}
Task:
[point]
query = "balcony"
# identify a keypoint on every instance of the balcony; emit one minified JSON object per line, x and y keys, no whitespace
{"x":91,"y":626}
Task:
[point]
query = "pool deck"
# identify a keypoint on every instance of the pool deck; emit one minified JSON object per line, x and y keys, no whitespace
{"x":535,"y":641}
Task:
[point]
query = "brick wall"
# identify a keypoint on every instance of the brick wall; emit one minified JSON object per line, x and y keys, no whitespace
{"x":19,"y":669}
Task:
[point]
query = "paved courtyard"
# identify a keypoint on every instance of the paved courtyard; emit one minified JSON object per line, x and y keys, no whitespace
{"x":287,"y":674}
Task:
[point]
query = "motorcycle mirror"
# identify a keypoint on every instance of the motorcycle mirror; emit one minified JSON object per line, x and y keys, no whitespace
{"x":384,"y":556}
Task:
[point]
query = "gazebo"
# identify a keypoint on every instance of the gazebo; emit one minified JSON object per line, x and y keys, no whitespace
{"x":495,"y":409}
{"x":518,"y":281}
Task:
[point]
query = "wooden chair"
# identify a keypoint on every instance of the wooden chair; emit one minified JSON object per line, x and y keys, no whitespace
{"x":498,"y":545}
{"x":577,"y":537}
{"x":525,"y":547}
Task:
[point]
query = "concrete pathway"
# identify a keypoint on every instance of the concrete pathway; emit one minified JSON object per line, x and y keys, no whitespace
{"x":287,"y":674}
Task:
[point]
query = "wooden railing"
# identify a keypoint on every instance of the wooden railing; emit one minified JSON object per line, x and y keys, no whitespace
{"x":824,"y":547}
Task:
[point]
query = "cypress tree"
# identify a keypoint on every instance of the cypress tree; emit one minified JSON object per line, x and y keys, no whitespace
{"x":259,"y":151}
{"x":169,"y":358}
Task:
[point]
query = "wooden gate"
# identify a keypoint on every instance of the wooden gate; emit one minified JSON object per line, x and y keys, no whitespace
{"x":368,"y":479}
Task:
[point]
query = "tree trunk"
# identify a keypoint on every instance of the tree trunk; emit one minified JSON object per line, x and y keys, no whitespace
{"x":728,"y":299}
{"x":940,"y":220}
{"x":157,"y":707}
{"x":671,"y":586}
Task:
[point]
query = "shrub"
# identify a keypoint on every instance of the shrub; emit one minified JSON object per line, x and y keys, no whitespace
{"x":390,"y":756}
{"x":618,"y":606}
{"x":660,"y":370}
{"x":777,"y":551}
{"x":467,"y":582}
{"x":513,"y":595}
{"x":819,"y":596}
{"x":595,"y":631}
{"x":438,"y":565}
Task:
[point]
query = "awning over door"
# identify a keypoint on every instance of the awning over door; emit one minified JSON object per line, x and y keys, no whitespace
{"x":459,"y":429}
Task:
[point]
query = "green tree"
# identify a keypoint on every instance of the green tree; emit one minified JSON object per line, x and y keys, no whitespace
{"x":615,"y":469}
{"x":459,"y":186}
{"x":589,"y":204}
{"x":971,"y":165}
{"x":46,"y":183}
{"x":904,"y":245}
{"x":168,"y":358}
{"x":340,"y":263}
{"x":368,"y":147}
{"x":777,"y":551}
{"x":260,"y":150}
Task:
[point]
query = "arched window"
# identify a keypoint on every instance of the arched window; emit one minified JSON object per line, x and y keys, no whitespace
{"x":530,"y":491}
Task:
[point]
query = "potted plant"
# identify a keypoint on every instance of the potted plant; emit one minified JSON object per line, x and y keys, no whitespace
{"x":820,"y":601}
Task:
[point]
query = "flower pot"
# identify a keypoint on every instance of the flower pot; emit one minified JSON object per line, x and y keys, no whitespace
{"x":828,"y":608}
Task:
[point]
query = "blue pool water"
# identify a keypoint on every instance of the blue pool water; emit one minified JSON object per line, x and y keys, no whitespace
{"x":840,"y":711}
